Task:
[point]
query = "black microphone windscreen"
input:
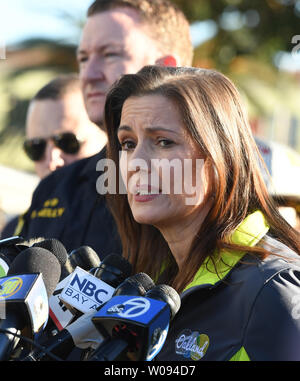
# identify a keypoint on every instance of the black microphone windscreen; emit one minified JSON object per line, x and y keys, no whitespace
{"x":144,"y":280}
{"x":38,"y":260}
{"x":137,"y":284}
{"x":168,"y":295}
{"x":116,"y":260}
{"x":84,"y":257}
{"x":55,"y":247}
{"x":6,"y":259}
{"x":113,"y":270}
{"x":10,"y":252}
{"x":7,"y":256}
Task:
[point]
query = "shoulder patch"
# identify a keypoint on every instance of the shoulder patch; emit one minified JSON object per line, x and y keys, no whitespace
{"x":191,"y":344}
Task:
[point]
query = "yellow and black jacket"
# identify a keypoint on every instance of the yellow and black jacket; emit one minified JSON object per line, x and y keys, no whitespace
{"x":249,"y":312}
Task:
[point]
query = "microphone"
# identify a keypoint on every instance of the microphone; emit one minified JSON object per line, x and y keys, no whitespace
{"x":138,"y":326}
{"x":32,"y":277}
{"x":84,"y":257}
{"x":56,"y":248}
{"x":80,"y":292}
{"x":11,"y":241}
{"x":167,"y":295}
{"x":137,"y":285}
{"x":82,"y":333}
{"x":13,"y":246}
{"x":9,"y":249}
{"x":85,"y":292}
{"x":4,"y":264}
{"x":38,"y":260}
{"x":113,"y":270}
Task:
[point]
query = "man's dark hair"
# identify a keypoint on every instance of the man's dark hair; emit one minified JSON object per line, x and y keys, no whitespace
{"x":166,"y":23}
{"x":58,"y":87}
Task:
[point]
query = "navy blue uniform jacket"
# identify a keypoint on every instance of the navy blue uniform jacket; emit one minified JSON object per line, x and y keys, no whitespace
{"x":67,"y":206}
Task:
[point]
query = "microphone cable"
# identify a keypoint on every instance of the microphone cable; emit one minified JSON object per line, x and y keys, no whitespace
{"x":32,"y":342}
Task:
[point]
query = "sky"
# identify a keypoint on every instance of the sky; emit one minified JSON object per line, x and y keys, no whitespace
{"x":22,"y":19}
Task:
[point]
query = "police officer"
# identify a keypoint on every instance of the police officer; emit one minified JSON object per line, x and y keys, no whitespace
{"x":58,"y":130}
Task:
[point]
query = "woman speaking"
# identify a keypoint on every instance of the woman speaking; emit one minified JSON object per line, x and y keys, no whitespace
{"x":197,"y":215}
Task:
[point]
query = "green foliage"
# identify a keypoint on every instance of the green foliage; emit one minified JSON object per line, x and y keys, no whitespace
{"x":249,"y":38}
{"x":258,"y":28}
{"x":28,"y":67}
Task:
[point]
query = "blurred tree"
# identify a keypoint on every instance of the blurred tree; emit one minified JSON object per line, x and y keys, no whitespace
{"x":29,"y":65}
{"x":260,"y":28}
{"x":248,"y":39}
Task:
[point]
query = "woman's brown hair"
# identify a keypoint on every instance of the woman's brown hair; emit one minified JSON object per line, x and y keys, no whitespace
{"x":213,"y":115}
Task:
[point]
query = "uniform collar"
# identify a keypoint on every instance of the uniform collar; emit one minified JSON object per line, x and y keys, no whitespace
{"x":88,"y":171}
{"x":250,"y":231}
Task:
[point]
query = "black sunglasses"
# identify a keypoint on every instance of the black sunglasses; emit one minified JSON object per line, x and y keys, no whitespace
{"x":66,"y":141}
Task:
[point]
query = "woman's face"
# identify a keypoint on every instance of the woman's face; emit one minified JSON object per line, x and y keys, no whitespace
{"x":161,"y":165}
